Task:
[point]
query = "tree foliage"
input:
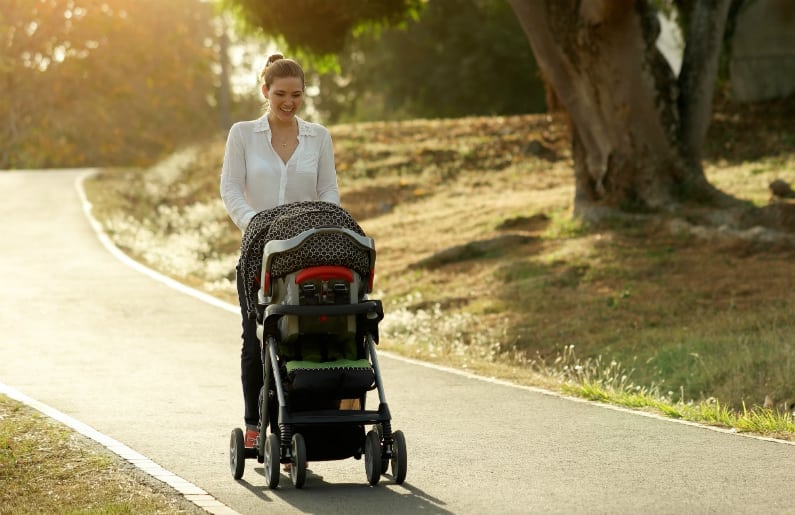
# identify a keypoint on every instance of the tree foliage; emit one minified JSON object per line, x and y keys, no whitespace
{"x":103,"y":82}
{"x":461,"y":57}
{"x":320,"y":26}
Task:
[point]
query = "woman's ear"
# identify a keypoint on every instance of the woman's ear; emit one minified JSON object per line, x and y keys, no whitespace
{"x":265,"y":91}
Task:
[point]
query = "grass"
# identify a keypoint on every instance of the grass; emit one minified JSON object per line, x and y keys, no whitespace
{"x":611,"y":383}
{"x":46,"y":468}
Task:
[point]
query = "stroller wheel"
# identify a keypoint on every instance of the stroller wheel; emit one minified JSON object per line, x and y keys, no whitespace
{"x":271,"y":461}
{"x":399,"y":457}
{"x":384,"y":460}
{"x":372,"y":457}
{"x":237,"y":453}
{"x":298,"y":468}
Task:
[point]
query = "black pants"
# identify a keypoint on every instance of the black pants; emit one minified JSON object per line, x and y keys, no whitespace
{"x":250,"y":359}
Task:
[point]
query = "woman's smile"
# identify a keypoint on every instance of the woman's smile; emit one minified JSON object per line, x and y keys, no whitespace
{"x":285,"y":97}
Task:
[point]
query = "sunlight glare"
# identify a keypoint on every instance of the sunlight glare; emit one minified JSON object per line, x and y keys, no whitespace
{"x":59,"y":53}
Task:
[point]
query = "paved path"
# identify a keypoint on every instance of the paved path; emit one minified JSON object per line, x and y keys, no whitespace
{"x":158,"y":371}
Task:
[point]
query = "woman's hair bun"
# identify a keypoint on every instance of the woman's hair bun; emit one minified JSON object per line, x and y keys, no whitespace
{"x":273,"y":58}
{"x":284,"y":68}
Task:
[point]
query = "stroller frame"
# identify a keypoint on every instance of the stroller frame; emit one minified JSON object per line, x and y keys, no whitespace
{"x":280,"y":440}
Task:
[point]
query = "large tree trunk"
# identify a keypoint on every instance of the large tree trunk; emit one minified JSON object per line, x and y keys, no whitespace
{"x":622,"y":98}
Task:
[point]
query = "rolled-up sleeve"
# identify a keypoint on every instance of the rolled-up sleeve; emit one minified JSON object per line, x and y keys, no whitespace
{"x":233,"y":180}
{"x":327,"y":188}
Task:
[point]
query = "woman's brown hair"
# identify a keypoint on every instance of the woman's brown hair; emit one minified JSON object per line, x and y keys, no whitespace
{"x":278,"y":67}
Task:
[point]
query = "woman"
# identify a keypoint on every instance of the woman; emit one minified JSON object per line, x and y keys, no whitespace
{"x":274,"y":160}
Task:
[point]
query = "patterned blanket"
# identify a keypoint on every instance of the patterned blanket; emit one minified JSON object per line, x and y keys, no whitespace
{"x":289,"y":220}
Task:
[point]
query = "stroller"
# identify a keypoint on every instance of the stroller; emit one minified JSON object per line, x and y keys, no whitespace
{"x":308,"y":268}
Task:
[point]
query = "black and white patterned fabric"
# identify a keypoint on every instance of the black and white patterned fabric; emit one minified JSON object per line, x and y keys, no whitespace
{"x":290,"y":220}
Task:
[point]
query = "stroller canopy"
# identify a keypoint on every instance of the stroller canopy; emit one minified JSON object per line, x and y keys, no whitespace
{"x":290,"y":220}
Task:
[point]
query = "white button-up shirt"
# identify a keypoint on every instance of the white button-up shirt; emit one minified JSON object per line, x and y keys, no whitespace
{"x":255,"y":178}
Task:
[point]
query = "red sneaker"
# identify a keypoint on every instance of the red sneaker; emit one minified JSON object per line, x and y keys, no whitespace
{"x":251,"y":437}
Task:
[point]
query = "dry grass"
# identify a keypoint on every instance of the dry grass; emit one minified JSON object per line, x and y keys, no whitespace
{"x":45,"y":468}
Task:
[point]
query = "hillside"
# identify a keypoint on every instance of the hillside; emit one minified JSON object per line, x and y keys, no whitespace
{"x":481,"y":267}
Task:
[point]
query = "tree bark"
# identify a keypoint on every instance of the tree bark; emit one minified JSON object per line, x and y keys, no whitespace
{"x":706,"y":25}
{"x":600,"y":57}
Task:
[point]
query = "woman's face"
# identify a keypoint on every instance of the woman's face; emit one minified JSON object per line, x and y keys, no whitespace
{"x":285,"y":97}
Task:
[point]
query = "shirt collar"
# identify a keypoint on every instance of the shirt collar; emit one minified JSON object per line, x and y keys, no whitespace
{"x":304,"y":128}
